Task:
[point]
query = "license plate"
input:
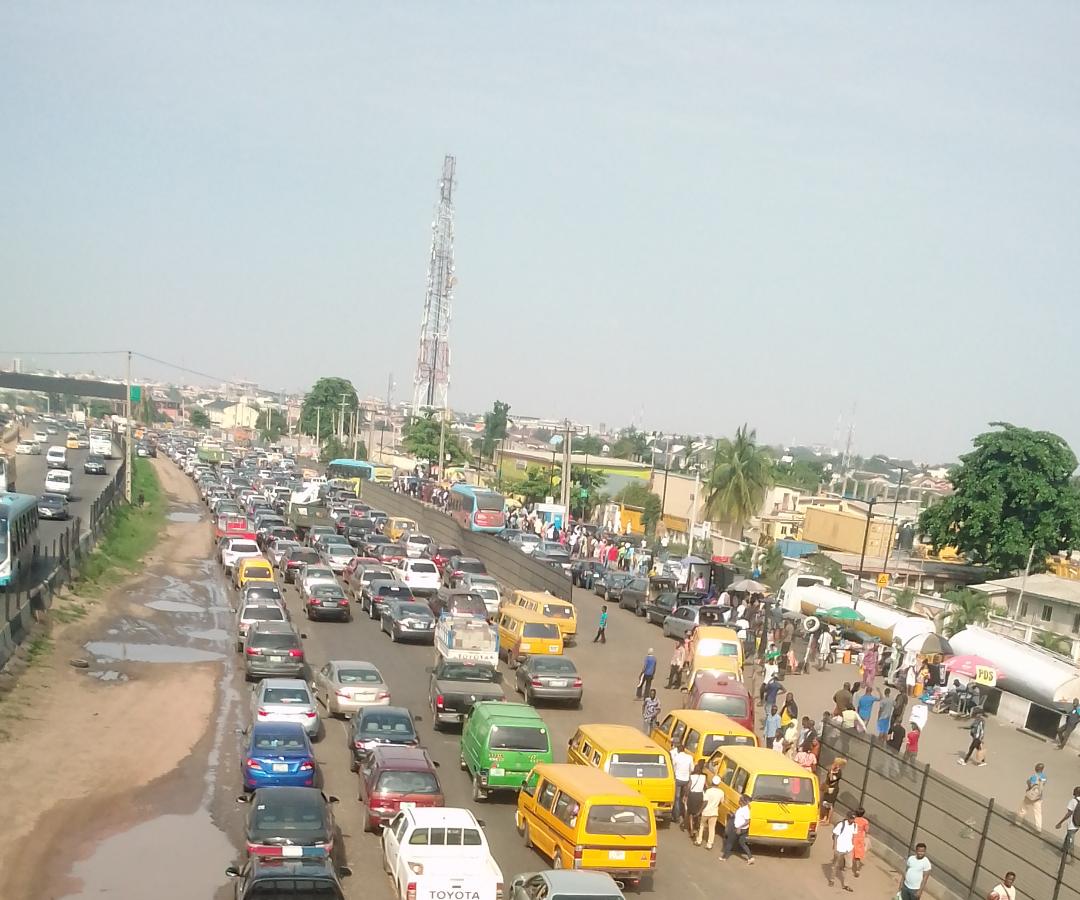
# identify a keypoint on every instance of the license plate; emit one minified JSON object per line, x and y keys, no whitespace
{"x":498,"y":773}
{"x":292,"y":851}
{"x":779,"y":826}
{"x":553,"y":648}
{"x":558,"y":682}
{"x":281,"y":767}
{"x":277,"y":659}
{"x":407,"y":804}
{"x":616,"y":854}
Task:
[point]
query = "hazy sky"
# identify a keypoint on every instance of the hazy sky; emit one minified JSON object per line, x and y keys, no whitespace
{"x":686,"y":215}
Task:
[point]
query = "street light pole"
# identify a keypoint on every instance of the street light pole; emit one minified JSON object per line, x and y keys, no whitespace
{"x":892,"y":526}
{"x":862,"y":557}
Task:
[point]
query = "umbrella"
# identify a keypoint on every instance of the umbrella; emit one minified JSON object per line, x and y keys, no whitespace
{"x":928,"y":644}
{"x":969,"y":665}
{"x":845,"y":613}
{"x":748,"y":586}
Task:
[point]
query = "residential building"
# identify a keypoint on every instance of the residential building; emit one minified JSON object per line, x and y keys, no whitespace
{"x":1049,"y":604}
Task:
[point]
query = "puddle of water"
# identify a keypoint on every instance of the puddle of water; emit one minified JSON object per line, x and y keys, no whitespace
{"x":153,"y":653}
{"x":208,"y":634}
{"x":108,"y":675}
{"x":175,"y":606}
{"x":144,"y":862}
{"x":183,"y":517}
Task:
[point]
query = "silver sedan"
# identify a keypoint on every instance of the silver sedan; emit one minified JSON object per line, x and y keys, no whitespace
{"x":549,"y":678}
{"x":684,"y":619}
{"x":285,"y":700}
{"x":345,"y":687}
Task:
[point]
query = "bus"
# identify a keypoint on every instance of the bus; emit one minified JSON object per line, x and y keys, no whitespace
{"x":359,"y":468}
{"x":101,"y":442}
{"x":18,"y":537}
{"x":477,"y":509}
{"x":7,"y":473}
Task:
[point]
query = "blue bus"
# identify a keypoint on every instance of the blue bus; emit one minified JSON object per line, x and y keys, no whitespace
{"x":476,"y":508}
{"x":359,"y":468}
{"x":18,"y":537}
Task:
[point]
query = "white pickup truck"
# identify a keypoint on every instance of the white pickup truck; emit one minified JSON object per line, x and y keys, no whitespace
{"x":467,"y":639}
{"x":440,"y":853}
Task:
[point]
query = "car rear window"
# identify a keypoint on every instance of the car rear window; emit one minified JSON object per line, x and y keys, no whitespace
{"x":381,"y":723}
{"x":617,"y":819}
{"x":276,"y":640}
{"x":638,"y":765}
{"x":715,"y":741}
{"x":358,"y":676}
{"x":304,"y":556}
{"x":446,"y":837}
{"x":735,"y":707}
{"x":424,"y":567}
{"x":286,"y":695}
{"x":258,"y":572}
{"x":293,"y":889}
{"x":540,"y":630}
{"x":527,"y":738}
{"x":244,"y":547}
{"x":278,"y":742}
{"x":717,"y":647}
{"x":408,"y":783}
{"x":263,"y":614}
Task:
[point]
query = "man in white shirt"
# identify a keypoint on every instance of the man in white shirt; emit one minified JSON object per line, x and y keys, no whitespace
{"x":824,"y":646}
{"x":682,"y":762}
{"x":843,"y":842}
{"x":738,"y":827}
{"x":1071,"y":821}
{"x":916,"y":874}
{"x":1004,"y":889}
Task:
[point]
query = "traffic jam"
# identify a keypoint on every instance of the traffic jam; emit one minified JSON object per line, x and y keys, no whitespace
{"x":495,"y":660}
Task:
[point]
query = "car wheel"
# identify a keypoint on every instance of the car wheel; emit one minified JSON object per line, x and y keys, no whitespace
{"x":526,"y":838}
{"x":394,"y":634}
{"x":556,"y":859}
{"x":239,"y":646}
{"x":478,"y":792}
{"x":528,"y":697}
{"x":462,"y":763}
{"x":367,"y":817}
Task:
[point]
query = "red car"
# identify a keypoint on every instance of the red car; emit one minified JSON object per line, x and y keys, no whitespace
{"x":395,"y":777}
{"x":390,"y":554}
{"x":719,"y":693}
{"x":442,"y":556}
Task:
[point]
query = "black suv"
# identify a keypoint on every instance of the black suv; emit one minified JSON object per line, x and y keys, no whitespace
{"x":283,"y":878}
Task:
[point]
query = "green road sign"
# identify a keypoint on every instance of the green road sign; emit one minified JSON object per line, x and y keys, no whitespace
{"x":136,"y":393}
{"x":583,"y":493}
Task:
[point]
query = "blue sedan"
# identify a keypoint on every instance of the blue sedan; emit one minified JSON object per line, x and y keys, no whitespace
{"x":278,"y":754}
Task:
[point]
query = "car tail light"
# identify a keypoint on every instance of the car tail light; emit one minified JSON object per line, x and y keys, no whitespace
{"x":344,"y":695}
{"x":652,"y":858}
{"x":253,"y":651}
{"x":410,"y":891}
{"x":382,"y":695}
{"x":536,"y":682}
{"x":812,"y":833}
{"x":579,"y":852}
{"x":263,"y":711}
{"x":296,"y":654}
{"x":252,"y":763}
{"x":577,"y":682}
{"x":307,"y":765}
{"x":359,"y":745}
{"x":311,"y":714}
{"x":439,"y":700}
{"x":343,"y":602}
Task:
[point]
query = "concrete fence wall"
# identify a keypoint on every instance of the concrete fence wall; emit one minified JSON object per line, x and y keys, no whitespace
{"x":511,"y":568}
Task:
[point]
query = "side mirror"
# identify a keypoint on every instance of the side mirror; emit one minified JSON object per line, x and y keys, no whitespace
{"x":481,"y":823}
{"x":243,"y":798}
{"x":332,"y":799}
{"x":233,"y":872}
{"x":418,"y":718}
{"x":436,"y":763}
{"x":304,"y":636}
{"x":344,"y":871}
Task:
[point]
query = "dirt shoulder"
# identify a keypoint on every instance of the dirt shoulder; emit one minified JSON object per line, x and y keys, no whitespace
{"x":84,"y":744}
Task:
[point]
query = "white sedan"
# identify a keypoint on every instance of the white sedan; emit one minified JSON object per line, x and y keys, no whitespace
{"x":315,"y":574}
{"x":421,"y":575}
{"x":28,"y":448}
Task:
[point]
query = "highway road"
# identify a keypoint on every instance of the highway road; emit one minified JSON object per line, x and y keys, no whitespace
{"x":610,"y":674}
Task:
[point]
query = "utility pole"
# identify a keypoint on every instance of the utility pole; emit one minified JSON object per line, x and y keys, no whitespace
{"x":318,"y":427}
{"x":386,"y":420}
{"x":442,"y":443}
{"x":693,"y":511}
{"x":564,"y":494}
{"x":1020,"y":598}
{"x":128,"y":458}
{"x":356,"y":429}
{"x":341,"y":421}
{"x":892,"y":537}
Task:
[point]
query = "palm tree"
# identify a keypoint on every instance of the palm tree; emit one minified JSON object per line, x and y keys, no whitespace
{"x":966,"y":607}
{"x":1055,"y":643}
{"x":741,"y":476}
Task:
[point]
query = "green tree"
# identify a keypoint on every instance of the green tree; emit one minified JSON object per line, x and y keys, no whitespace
{"x":826,"y":567}
{"x":273,"y":429}
{"x":536,"y":486}
{"x":1055,"y":643}
{"x":323,"y":403}
{"x":637,"y":494}
{"x":198,"y":417}
{"x":904,"y":599}
{"x":332,"y":448}
{"x":494,"y":428}
{"x":421,"y":439}
{"x":741,"y":476}
{"x":965,"y":607}
{"x":802,"y":474}
{"x":99,"y":409}
{"x":1011,"y":492}
{"x":592,"y":482}
{"x":587,"y":443}
{"x":631,"y":444}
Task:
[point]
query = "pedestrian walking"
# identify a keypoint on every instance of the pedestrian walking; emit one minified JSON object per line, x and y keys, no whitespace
{"x":916,"y":874}
{"x":771,"y":691}
{"x":682,"y":764}
{"x":843,"y":699}
{"x":1071,"y":821}
{"x":843,"y":843}
{"x":738,"y":827}
{"x":1068,"y":725}
{"x":1033,"y":797}
{"x":885,"y":714}
{"x":977,"y":730}
{"x":648,"y":672}
{"x":650,"y":712}
{"x":771,"y":729}
{"x":911,"y":747}
{"x":601,"y":630}
{"x":678,"y":657}
{"x":710,"y":809}
{"x":789,"y":712}
{"x":862,"y":841}
{"x":830,"y":790}
{"x":824,"y":648}
{"x":865,"y":705}
{"x":895,"y":739}
{"x":870,"y":663}
{"x":695,"y":798}
{"x":1004,"y":889}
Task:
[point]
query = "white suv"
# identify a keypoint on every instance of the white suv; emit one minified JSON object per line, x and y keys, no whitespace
{"x":58,"y":481}
{"x":238,"y":549}
{"x":421,"y":575}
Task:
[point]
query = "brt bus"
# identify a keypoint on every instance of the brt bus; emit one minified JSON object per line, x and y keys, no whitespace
{"x":18,"y":537}
{"x":7,"y":473}
{"x":477,"y":509}
{"x":359,"y":468}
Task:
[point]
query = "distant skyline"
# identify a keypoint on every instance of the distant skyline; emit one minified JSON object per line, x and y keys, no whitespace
{"x":687,"y":216}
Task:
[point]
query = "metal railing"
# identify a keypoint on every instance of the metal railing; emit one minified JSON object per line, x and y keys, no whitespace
{"x":971,"y":841}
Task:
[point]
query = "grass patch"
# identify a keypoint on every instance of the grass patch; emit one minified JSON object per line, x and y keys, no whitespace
{"x":38,"y":650}
{"x":131,"y":533}
{"x":69,"y":612}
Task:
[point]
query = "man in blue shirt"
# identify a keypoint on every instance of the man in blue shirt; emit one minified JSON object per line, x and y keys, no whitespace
{"x":865,"y":706}
{"x":772,"y":726}
{"x":648,"y":670}
{"x":601,"y":631}
{"x":772,"y":691}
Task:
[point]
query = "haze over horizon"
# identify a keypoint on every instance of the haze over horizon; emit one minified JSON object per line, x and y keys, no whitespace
{"x":686,"y":217}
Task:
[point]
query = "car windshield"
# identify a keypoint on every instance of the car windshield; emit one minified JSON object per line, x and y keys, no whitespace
{"x":358,"y":676}
{"x":408,"y":783}
{"x":638,"y":765}
{"x":264,"y":614}
{"x":617,"y":819}
{"x":419,"y":539}
{"x":461,"y":671}
{"x":384,"y":723}
{"x":540,"y":630}
{"x":552,"y":665}
{"x":782,"y":789}
{"x":275,"y":640}
{"x":531,"y":738}
{"x":286,"y":695}
{"x":715,"y":741}
{"x":468,"y":604}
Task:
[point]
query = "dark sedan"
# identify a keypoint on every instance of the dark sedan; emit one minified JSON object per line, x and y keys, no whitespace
{"x":327,"y":601}
{"x":53,"y":506}
{"x":95,"y":465}
{"x":408,"y":621}
{"x":376,"y":725}
{"x":549,"y":678}
{"x":289,"y":816}
{"x":583,"y":572}
{"x":608,"y":580}
{"x":634,"y":594}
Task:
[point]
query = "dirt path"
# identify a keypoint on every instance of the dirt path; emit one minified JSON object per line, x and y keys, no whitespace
{"x":82,"y":743}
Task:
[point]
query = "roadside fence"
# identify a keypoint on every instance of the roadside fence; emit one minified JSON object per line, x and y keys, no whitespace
{"x":971,"y":840}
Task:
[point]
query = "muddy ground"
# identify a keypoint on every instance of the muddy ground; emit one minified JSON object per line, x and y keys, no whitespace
{"x":110,"y":770}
